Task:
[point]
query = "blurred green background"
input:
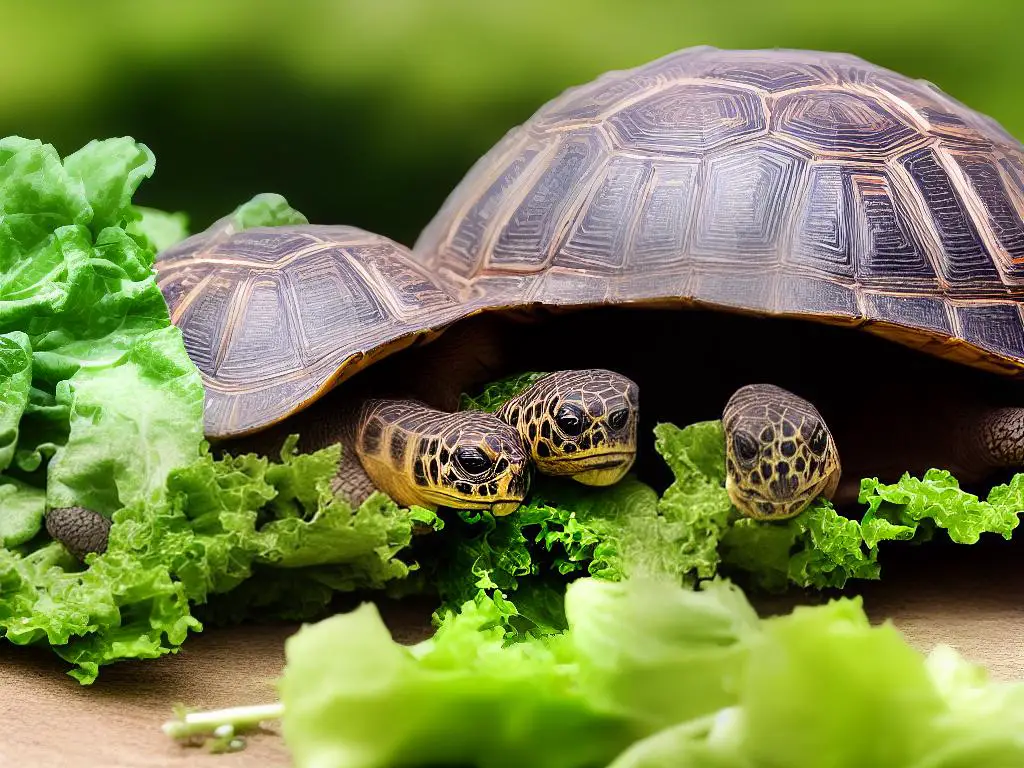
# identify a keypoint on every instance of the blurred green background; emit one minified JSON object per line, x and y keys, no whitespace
{"x":368,"y":112}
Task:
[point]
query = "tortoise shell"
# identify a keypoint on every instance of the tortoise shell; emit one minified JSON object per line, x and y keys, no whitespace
{"x":784,"y":183}
{"x":273,"y":317}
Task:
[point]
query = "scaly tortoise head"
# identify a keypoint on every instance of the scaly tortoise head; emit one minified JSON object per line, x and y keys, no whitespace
{"x":580,"y":424}
{"x":465,"y":460}
{"x":780,"y":455}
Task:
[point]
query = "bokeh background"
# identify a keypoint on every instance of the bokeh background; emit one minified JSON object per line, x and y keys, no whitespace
{"x":368,"y":112}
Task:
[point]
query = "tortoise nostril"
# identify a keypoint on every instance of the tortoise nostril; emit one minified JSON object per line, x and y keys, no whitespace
{"x":617,"y":419}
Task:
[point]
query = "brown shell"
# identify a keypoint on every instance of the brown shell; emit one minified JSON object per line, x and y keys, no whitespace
{"x":274,"y":317}
{"x":773,"y":182}
{"x":788,"y":183}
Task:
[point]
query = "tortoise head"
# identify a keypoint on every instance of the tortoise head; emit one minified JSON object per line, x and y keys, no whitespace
{"x":464,"y":460}
{"x":780,"y":455}
{"x":580,"y":424}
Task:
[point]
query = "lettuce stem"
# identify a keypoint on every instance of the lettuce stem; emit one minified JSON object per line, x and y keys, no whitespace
{"x":189,"y":724}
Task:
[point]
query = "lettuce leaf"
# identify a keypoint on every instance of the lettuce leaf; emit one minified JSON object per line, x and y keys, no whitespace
{"x":497,"y":393}
{"x":15,"y":383}
{"x":648,"y":674}
{"x":160,"y":228}
{"x":354,"y":697}
{"x":219,"y":520}
{"x":266,"y":209}
{"x":109,"y":397}
{"x":936,"y":501}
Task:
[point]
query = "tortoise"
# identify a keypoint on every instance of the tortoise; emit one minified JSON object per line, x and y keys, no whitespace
{"x":785,"y":198}
{"x":570,"y":423}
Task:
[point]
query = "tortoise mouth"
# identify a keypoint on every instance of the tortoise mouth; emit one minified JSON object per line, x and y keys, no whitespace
{"x":751,"y":502}
{"x":477,"y":502}
{"x":603,"y":460}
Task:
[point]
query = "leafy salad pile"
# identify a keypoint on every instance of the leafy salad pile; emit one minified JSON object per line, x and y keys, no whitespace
{"x":101,"y":406}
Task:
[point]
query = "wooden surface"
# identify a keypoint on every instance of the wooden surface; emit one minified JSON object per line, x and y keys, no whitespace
{"x":969,"y":597}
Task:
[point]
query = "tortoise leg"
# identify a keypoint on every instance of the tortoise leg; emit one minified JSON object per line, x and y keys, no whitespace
{"x":995,"y":440}
{"x":80,"y":530}
{"x":780,"y":455}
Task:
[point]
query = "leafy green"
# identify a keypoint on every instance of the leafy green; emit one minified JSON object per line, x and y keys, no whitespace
{"x":936,"y":501}
{"x":648,"y":674}
{"x":160,"y":228}
{"x":696,"y":503}
{"x":354,"y":697}
{"x":109,"y":392}
{"x":497,"y":393}
{"x":218,"y":521}
{"x":266,"y":210}
{"x":22,"y":507}
{"x":15,"y":383}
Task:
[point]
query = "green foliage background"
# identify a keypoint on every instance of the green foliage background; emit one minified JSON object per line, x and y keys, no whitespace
{"x":369,"y":111}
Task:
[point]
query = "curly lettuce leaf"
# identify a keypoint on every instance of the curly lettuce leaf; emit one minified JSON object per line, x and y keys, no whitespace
{"x":936,"y":501}
{"x":497,"y":393}
{"x":204,"y":537}
{"x":564,"y":530}
{"x":696,"y":503}
{"x":819,"y":549}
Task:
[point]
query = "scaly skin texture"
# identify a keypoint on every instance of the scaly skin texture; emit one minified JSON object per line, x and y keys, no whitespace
{"x":81,"y":530}
{"x":780,"y":455}
{"x":578,"y":424}
{"x":466,"y":460}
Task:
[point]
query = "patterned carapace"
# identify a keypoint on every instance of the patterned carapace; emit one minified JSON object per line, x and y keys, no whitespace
{"x":789,"y":183}
{"x":580,"y":424}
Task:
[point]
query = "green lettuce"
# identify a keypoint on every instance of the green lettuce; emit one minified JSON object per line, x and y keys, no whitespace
{"x":917,"y":507}
{"x":218,"y":522}
{"x":497,"y":393}
{"x":648,"y":674}
{"x":100,"y":399}
{"x":160,"y":228}
{"x":266,"y":209}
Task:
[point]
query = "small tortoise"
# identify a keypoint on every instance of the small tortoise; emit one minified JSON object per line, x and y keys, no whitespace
{"x":777,"y":187}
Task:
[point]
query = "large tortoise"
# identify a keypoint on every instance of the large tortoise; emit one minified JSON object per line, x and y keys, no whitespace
{"x":758,"y":189}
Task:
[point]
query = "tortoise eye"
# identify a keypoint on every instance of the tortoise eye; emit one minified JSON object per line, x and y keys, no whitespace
{"x":569,"y":419}
{"x":472,"y":460}
{"x":745,"y":447}
{"x":819,"y":440}
{"x":618,"y":418}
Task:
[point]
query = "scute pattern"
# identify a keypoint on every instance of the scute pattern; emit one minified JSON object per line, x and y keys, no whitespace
{"x":778,"y":182}
{"x":836,"y":123}
{"x":688,"y":119}
{"x":273,"y":316}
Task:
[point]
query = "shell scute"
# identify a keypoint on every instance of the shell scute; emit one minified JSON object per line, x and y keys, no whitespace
{"x":690,"y":118}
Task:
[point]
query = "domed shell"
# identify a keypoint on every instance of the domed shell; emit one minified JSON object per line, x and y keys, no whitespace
{"x":788,"y":183}
{"x":273,"y":317}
